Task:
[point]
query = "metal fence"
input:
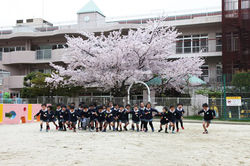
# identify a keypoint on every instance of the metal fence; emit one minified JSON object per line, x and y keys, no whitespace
{"x":191,"y":105}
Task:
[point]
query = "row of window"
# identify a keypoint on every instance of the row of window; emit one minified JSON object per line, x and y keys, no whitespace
{"x":192,"y":44}
{"x":10,"y":49}
{"x":22,"y":48}
{"x":196,"y":43}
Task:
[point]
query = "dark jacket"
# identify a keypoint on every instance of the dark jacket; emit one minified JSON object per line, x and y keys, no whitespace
{"x":208,"y":115}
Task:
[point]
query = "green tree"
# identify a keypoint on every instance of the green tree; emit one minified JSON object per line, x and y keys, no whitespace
{"x":241,"y":81}
{"x":35,"y":85}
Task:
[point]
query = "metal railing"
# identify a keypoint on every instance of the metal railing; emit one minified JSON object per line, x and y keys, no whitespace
{"x":191,"y":105}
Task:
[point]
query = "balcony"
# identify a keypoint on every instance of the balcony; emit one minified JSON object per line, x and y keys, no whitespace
{"x":13,"y":82}
{"x":31,"y":57}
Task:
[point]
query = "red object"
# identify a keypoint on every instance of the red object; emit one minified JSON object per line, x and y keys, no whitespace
{"x":24,"y":109}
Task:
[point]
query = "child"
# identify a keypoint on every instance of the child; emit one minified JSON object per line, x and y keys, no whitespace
{"x":115,"y":113}
{"x":51,"y":116}
{"x":126,"y":114}
{"x":43,"y":117}
{"x":60,"y":114}
{"x":135,"y":118}
{"x":65,"y":117}
{"x":172,"y":118}
{"x":57,"y":114}
{"x":109,"y":119}
{"x":164,"y":120}
{"x":79,"y":113}
{"x":179,"y":116}
{"x":208,"y":116}
{"x":148,"y":115}
{"x":85,"y":118}
{"x":121,"y":117}
{"x":141,"y":109}
{"x":93,"y":118}
{"x":101,"y":117}
{"x":73,"y":118}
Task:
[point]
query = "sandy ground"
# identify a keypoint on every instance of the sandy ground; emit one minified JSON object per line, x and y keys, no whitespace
{"x":224,"y":145}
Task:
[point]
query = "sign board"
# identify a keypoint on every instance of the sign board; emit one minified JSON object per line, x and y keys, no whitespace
{"x":233,"y":101}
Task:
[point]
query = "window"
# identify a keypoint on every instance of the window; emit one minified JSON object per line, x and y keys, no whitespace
{"x":192,"y":44}
{"x":232,"y":40}
{"x":219,"y":72}
{"x":15,"y":48}
{"x":43,"y":54}
{"x":45,"y":71}
{"x":3,"y":74}
{"x":205,"y":73}
{"x":29,"y":20}
{"x":231,"y":8}
{"x":218,"y":42}
{"x":59,"y":46}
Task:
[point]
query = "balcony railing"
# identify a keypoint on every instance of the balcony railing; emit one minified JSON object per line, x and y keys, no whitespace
{"x":43,"y":54}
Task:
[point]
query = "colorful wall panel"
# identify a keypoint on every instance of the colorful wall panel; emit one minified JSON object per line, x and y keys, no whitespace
{"x":13,"y":113}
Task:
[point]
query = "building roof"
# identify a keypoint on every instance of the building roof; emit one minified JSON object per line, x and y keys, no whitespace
{"x":90,"y":7}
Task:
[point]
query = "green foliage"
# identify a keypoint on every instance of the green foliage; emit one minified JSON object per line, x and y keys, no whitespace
{"x":35,"y":85}
{"x":208,"y":92}
{"x":241,"y":80}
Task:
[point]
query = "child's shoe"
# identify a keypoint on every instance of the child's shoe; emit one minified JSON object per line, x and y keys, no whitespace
{"x":137,"y":130}
{"x":166,"y":131}
{"x":160,"y":130}
{"x":182,"y":128}
{"x":177,"y":130}
{"x":173,"y":132}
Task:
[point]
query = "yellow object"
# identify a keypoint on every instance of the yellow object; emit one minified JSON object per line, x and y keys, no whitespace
{"x":1,"y":113}
{"x":29,"y":112}
{"x":234,"y":97}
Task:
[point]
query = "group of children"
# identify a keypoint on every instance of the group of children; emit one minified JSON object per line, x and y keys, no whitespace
{"x":115,"y":117}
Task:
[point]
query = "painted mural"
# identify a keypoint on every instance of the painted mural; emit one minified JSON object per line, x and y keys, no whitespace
{"x":18,"y":113}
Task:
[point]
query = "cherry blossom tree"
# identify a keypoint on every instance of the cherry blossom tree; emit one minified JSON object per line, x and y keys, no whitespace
{"x":114,"y":61}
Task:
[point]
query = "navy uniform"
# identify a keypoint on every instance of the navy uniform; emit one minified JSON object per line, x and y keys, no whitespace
{"x":73,"y":117}
{"x":43,"y":115}
{"x":172,"y":119}
{"x":179,"y":114}
{"x":86,"y":113}
{"x":148,"y":118}
{"x":208,"y":115}
{"x":142,"y":118}
{"x":44,"y":118}
{"x":164,"y":118}
{"x":136,"y":116}
{"x":109,"y":116}
{"x":172,"y":116}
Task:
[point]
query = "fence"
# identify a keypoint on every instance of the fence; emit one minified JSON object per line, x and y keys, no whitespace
{"x":191,"y":105}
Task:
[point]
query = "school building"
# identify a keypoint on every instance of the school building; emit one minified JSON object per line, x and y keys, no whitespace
{"x":32,"y":44}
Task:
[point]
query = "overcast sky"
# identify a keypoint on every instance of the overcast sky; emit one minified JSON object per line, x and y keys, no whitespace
{"x":65,"y":10}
